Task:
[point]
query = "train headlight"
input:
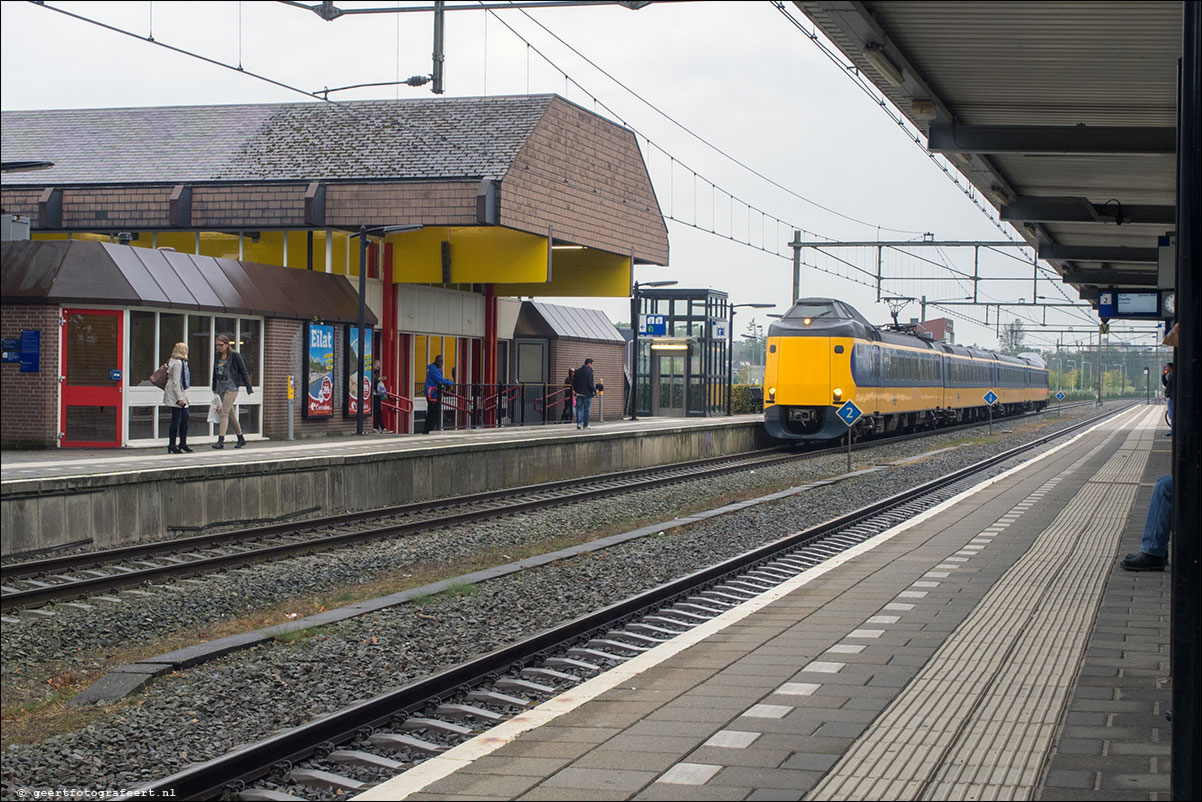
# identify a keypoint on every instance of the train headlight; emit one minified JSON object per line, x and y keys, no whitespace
{"x":838,"y":391}
{"x":805,"y":321}
{"x":771,"y":393}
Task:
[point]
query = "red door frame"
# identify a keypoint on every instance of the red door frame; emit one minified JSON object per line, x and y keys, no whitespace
{"x":111,"y":394}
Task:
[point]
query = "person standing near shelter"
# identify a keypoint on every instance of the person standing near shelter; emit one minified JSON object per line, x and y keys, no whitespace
{"x":585,"y":387}
{"x":435,"y":384}
{"x":175,"y":396}
{"x":567,"y":398}
{"x":377,"y":405}
{"x":229,"y":372}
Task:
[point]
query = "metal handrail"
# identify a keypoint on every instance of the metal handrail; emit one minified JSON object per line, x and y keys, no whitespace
{"x":552,"y":399}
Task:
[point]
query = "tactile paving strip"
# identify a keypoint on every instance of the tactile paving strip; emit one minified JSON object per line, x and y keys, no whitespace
{"x":978,"y":720}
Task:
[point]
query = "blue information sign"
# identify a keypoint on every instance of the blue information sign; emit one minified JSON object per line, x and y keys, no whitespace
{"x":990,"y":398}
{"x":654,"y":325}
{"x":31,"y":350}
{"x":1059,"y":396}
{"x":849,"y":412}
{"x":115,"y":375}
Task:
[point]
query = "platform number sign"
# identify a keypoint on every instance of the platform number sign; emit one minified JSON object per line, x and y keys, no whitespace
{"x":849,"y":413}
{"x":991,"y":398}
{"x":1059,"y":396}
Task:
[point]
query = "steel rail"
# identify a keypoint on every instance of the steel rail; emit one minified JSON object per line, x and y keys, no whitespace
{"x":239,"y":767}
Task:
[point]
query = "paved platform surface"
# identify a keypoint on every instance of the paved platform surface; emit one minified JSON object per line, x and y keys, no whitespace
{"x":990,"y":648}
{"x":66,"y":462}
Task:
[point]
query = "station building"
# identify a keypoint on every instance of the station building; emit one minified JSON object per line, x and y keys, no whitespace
{"x":149,"y":226}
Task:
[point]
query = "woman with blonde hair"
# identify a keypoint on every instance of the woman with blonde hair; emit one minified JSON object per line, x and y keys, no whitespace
{"x":175,"y":396}
{"x":229,"y":371}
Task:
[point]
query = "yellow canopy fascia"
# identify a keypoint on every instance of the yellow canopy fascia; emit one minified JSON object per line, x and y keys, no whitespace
{"x":579,"y":273}
{"x":479,"y":255}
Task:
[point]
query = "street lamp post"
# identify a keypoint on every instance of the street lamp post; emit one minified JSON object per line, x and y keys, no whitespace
{"x":363,"y":233}
{"x":634,"y":343}
{"x":730,"y":352}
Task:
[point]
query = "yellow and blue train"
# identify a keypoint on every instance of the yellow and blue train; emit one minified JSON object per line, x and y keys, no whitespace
{"x":823,"y":353}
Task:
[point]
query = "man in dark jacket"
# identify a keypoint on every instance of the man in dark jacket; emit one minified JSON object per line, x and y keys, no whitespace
{"x":584,"y":386}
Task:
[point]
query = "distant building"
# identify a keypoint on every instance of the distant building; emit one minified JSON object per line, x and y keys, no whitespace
{"x":941,"y":328}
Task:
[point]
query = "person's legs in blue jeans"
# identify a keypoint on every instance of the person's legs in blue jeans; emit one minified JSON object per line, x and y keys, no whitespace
{"x":584,"y":404}
{"x":1159,"y":521}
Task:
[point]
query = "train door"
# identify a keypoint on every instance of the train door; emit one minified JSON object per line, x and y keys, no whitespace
{"x":92,"y":402}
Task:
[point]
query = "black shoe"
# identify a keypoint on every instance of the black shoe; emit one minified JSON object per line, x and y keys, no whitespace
{"x":184,"y":448}
{"x":172,"y":450}
{"x":241,"y":441}
{"x":1143,"y":562}
{"x":220,"y":442}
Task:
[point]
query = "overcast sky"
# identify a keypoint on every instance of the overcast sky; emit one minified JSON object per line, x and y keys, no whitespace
{"x":738,"y":75}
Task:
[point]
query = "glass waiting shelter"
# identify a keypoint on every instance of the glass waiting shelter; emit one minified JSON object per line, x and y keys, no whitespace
{"x":681,"y":359}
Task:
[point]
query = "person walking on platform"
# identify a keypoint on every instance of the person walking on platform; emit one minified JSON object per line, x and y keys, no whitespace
{"x":566,"y":417}
{"x":1154,"y":547}
{"x":1169,"y":379}
{"x":229,"y":372}
{"x":435,"y":384}
{"x":585,"y":387}
{"x":175,"y":396}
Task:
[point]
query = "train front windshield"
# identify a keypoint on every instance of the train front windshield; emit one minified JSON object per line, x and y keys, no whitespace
{"x":812,"y":310}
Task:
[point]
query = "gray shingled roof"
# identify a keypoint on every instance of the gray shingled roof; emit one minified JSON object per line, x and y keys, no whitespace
{"x":578,"y":324}
{"x":371,"y":139}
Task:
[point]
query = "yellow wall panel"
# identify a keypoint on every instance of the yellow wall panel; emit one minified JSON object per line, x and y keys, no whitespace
{"x":585,"y":273}
{"x":479,"y":255}
{"x":269,"y":250}
{"x":182,"y":241}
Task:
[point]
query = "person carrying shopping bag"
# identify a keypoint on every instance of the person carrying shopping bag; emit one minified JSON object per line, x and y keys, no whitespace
{"x":229,"y":372}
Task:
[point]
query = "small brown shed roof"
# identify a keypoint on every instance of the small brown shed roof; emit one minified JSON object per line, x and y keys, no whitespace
{"x":73,"y":272}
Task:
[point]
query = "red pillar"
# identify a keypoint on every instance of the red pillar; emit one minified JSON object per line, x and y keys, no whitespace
{"x":490,"y":348}
{"x":388,"y":335}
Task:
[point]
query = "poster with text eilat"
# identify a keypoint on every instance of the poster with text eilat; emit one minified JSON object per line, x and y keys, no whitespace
{"x":320,"y":401}
{"x":352,"y":401}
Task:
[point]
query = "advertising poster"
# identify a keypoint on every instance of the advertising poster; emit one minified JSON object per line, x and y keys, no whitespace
{"x":352,"y":371}
{"x":319,"y":371}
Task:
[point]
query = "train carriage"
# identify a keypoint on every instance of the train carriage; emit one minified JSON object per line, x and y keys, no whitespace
{"x":822,"y":353}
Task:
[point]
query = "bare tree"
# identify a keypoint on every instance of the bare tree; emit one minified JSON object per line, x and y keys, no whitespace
{"x":1013,"y":335}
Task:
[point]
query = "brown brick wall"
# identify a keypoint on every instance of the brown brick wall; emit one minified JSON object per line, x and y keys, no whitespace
{"x":29,"y":401}
{"x":402,"y":203}
{"x":607,"y":368}
{"x":283,"y":352}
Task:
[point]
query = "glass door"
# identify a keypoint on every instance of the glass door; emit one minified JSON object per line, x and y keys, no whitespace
{"x":92,"y":385}
{"x":668,"y":384}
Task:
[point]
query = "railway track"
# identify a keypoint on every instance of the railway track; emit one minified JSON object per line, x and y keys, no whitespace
{"x":29,"y":585}
{"x":353,"y":749}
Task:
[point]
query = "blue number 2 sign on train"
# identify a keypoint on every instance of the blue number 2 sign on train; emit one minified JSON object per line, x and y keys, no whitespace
{"x":849,"y":412}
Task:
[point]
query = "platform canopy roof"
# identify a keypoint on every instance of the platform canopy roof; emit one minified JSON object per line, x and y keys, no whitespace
{"x":455,"y":137}
{"x":1062,"y":114}
{"x":66,"y":272}
{"x":567,"y":322}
